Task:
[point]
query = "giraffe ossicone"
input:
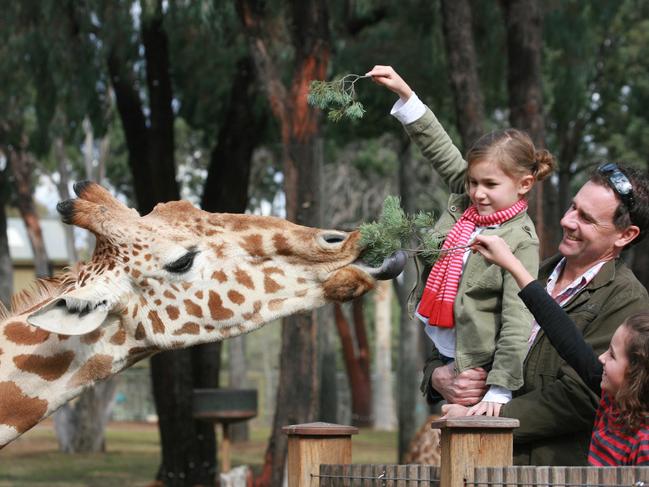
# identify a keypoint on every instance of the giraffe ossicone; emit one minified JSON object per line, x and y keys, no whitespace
{"x":174,"y":278}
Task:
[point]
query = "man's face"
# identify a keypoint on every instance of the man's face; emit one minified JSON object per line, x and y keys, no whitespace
{"x":589,"y":235}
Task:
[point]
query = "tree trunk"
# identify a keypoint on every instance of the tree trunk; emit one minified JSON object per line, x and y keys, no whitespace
{"x":328,"y":409}
{"x":524,"y":25}
{"x":226,"y":191}
{"x":385,"y":418}
{"x":80,"y":425}
{"x":188,"y":446}
{"x":6,"y":266}
{"x":22,"y":170}
{"x":237,"y":375}
{"x":409,"y":364}
{"x":64,"y":194}
{"x":463,"y":70}
{"x":297,"y":391}
{"x":356,"y":356}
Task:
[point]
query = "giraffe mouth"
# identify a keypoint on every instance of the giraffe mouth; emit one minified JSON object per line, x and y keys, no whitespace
{"x":391,"y":267}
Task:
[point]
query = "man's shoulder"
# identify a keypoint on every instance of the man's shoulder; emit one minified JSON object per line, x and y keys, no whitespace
{"x":624,"y":280}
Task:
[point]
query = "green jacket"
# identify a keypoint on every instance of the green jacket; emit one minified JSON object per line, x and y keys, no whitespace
{"x":492,"y":323}
{"x":555,"y":408}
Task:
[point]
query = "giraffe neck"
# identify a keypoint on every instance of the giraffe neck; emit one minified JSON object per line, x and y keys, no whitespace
{"x":40,"y":371}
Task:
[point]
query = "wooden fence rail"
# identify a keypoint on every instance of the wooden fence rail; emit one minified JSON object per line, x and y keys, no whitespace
{"x":377,"y":476}
{"x":427,"y":475}
{"x":561,"y":476}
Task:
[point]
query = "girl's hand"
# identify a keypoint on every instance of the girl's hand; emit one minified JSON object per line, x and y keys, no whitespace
{"x":454,"y":411}
{"x":484,"y":407}
{"x":388,"y":77}
{"x":494,"y":249}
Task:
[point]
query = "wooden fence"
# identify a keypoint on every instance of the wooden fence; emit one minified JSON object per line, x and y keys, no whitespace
{"x":475,"y":452}
{"x":427,"y":475}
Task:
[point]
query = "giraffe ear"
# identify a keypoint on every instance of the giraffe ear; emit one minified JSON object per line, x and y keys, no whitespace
{"x":70,"y":316}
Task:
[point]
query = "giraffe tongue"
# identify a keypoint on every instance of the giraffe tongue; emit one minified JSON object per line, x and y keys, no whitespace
{"x":391,"y":267}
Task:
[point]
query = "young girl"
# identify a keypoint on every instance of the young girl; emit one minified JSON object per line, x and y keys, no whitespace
{"x":621,"y":375}
{"x":470,"y":308}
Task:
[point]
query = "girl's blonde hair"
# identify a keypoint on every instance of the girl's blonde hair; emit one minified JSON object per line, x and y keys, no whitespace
{"x":633,"y":396}
{"x":515,"y":153}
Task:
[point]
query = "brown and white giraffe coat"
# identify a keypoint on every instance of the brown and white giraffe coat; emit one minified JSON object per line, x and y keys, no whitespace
{"x":176,"y":277}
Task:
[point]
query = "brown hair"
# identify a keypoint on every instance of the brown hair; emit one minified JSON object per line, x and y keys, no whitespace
{"x":515,"y":153}
{"x":633,"y":396}
{"x":639,"y":213}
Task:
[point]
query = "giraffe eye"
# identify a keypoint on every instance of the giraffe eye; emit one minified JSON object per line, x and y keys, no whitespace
{"x":183,"y":264}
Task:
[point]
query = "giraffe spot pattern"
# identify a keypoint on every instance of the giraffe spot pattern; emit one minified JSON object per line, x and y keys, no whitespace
{"x":244,"y":278}
{"x":217,"y":310}
{"x":173,"y":312}
{"x":23,"y":334}
{"x":270,"y":285}
{"x":236,"y":297}
{"x":254,"y":245}
{"x":255,"y":317}
{"x":281,"y":244}
{"x":119,"y":337}
{"x":97,"y":367}
{"x":156,"y":323}
{"x":48,"y":368}
{"x":188,"y":328}
{"x":169,"y":295}
{"x":13,"y":400}
{"x":219,"y":249}
{"x":199,"y":294}
{"x":92,"y":337}
{"x":192,"y":308}
{"x":219,"y":276}
{"x":276,"y":304}
{"x":140,"y":334}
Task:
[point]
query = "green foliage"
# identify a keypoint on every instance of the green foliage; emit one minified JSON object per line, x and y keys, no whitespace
{"x":337,"y":96}
{"x":396,"y":230}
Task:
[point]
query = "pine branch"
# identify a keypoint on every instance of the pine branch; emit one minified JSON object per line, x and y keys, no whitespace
{"x":395,"y":230}
{"x":338,"y":97}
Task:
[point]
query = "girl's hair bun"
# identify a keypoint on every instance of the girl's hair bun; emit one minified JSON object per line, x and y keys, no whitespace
{"x":545,"y":164}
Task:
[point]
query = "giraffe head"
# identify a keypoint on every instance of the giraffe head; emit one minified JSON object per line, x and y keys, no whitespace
{"x":180,"y":276}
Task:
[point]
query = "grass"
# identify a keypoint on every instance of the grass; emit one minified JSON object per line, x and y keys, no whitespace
{"x":132,"y":456}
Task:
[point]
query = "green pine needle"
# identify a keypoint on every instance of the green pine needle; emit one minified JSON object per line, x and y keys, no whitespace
{"x":338,"y":97}
{"x":396,"y":230}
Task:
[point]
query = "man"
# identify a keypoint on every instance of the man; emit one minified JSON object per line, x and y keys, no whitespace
{"x":598,"y":291}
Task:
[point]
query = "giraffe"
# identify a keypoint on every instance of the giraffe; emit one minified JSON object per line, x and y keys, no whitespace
{"x":425,"y":448}
{"x":174,"y":278}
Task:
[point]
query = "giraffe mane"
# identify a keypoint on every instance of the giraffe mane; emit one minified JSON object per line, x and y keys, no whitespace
{"x":41,"y":290}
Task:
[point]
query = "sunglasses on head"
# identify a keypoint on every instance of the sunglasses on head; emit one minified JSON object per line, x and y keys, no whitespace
{"x":618,"y":181}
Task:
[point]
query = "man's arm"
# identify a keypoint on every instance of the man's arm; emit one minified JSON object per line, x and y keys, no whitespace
{"x":441,"y":382}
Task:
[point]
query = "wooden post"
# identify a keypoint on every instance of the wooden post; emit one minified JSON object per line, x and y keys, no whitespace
{"x":313,"y":444}
{"x":473,"y":441}
{"x":225,"y":448}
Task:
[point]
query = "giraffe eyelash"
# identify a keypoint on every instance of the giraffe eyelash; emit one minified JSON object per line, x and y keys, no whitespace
{"x":182,"y":264}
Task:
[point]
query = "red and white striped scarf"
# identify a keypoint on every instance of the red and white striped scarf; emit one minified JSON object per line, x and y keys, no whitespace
{"x":441,"y":286}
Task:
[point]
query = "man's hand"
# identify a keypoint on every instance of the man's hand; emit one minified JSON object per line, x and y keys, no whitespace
{"x":466,"y":388}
